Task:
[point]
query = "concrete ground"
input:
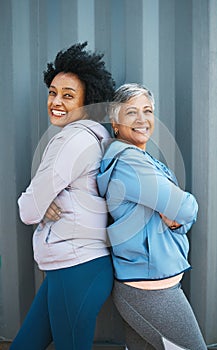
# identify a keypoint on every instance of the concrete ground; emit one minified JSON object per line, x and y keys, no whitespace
{"x":4,"y":345}
{"x":99,"y":346}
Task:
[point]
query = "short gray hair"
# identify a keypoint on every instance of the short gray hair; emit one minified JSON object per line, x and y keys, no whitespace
{"x":123,"y":94}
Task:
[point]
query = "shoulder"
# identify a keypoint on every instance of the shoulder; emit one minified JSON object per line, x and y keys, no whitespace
{"x":72,"y":141}
{"x":120,"y":149}
{"x":82,"y":133}
{"x":92,"y":127}
{"x":131,"y":154}
{"x":126,"y":152}
{"x":126,"y":155}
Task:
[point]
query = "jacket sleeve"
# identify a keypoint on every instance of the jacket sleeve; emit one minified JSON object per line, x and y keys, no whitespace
{"x":65,"y":160}
{"x":141,"y":182}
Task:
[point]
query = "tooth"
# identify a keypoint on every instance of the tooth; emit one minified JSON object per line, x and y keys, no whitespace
{"x":58,"y":113}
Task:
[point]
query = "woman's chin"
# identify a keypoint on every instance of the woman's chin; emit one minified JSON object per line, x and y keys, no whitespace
{"x":57,"y":121}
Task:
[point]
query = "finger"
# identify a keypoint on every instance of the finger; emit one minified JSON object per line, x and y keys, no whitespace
{"x":54,"y":207}
{"x":52,"y":214}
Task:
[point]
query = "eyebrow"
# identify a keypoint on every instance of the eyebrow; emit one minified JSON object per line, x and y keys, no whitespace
{"x":130,"y":107}
{"x":64,"y":88}
{"x":134,"y":107}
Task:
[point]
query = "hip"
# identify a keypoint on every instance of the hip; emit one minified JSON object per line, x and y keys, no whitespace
{"x":156,"y":284}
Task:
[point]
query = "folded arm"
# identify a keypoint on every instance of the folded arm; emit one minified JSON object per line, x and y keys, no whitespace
{"x":145,"y":184}
{"x":60,"y":166}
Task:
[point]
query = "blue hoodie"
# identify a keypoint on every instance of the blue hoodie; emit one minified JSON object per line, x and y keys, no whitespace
{"x":137,"y":188}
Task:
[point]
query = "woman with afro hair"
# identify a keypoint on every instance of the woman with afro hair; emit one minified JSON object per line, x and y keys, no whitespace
{"x":69,"y":242}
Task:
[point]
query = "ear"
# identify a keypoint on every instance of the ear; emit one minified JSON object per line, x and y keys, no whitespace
{"x":115,"y":128}
{"x":114,"y":124}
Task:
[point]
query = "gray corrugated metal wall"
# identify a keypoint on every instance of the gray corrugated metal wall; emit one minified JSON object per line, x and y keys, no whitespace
{"x":203,"y":290}
{"x":170,"y":46}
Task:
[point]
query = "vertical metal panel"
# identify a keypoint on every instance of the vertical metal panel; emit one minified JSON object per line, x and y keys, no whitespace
{"x":166,"y":61}
{"x":15,"y":273}
{"x":69,"y":23}
{"x":166,"y":93}
{"x":103,"y":29}
{"x":150,"y":48}
{"x":8,"y":269}
{"x":204,"y":164}
{"x":200,"y":159}
{"x":86,"y":22}
{"x":22,"y":123}
{"x":21,"y":68}
{"x":134,"y":41}
{"x":183,"y":82}
{"x":183,"y":94}
{"x":118,"y":41}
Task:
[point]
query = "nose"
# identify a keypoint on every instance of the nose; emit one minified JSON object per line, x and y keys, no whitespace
{"x":57,"y":101}
{"x":141,"y":116}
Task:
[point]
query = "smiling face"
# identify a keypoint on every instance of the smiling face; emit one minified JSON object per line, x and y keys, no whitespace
{"x":135,"y":121}
{"x":66,"y":96}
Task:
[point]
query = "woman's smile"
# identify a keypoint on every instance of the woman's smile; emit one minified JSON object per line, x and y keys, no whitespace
{"x":142,"y":130}
{"x":58,"y":113}
{"x":65,"y":99}
{"x":135,"y":121}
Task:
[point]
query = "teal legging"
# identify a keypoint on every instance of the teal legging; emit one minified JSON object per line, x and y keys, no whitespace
{"x":66,"y":306}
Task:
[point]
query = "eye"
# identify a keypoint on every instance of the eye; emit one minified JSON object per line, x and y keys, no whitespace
{"x":68,"y":95}
{"x":148,"y":111}
{"x":130,"y":113}
{"x":51,"y":93}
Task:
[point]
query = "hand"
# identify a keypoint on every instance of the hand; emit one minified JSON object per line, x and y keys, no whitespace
{"x":173,"y":225}
{"x":53,"y":212}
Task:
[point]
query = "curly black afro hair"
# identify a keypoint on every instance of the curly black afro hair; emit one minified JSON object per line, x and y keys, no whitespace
{"x":89,"y":67}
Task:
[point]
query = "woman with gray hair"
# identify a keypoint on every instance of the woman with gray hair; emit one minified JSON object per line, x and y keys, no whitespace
{"x":151,"y":216}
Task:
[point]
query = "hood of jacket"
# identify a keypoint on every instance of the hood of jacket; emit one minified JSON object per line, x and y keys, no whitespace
{"x":108,"y":163}
{"x":91,"y":126}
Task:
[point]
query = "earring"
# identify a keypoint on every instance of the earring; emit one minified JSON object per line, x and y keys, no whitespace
{"x":116,"y":131}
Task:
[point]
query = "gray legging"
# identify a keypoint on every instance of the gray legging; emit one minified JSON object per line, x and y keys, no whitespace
{"x":151,"y":316}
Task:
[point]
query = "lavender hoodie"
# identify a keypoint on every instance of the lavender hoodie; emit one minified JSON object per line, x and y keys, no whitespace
{"x":67,"y":175}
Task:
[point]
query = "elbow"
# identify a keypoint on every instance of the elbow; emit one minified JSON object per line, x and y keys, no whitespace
{"x":190,"y":214}
{"x":26,"y":219}
{"x":189,"y":210}
{"x":27,"y":215}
